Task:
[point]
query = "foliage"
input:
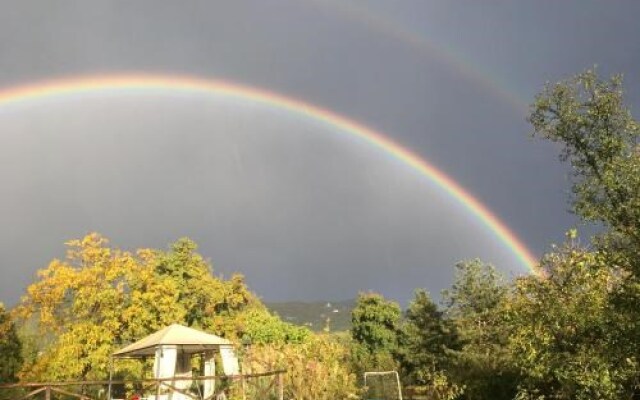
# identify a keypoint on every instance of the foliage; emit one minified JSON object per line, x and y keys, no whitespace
{"x":563,"y":331}
{"x":600,"y":139}
{"x":100,"y":298}
{"x":475,"y":304}
{"x":375,"y":324}
{"x":426,"y":341}
{"x":588,"y":117}
{"x":316,"y":370}
{"x":10,"y":348}
{"x":261,"y":327}
{"x":478,"y":289}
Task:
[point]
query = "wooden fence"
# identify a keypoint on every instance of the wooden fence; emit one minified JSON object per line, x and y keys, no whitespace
{"x":266,"y":385}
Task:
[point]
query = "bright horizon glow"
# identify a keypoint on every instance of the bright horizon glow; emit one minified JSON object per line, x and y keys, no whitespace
{"x":90,"y":84}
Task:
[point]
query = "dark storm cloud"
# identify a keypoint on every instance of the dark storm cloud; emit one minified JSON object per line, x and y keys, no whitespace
{"x":299,"y":223}
{"x":293,"y":209}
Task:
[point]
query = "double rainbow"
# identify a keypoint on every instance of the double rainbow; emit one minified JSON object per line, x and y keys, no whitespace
{"x":145,"y":82}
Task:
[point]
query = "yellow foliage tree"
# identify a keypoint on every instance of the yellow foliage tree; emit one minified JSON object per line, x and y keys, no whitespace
{"x":100,"y":298}
{"x":316,"y":369}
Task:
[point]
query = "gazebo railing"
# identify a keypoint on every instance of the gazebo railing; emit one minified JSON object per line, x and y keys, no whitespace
{"x":265,"y":385}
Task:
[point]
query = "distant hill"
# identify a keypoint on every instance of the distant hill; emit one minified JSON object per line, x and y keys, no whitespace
{"x":314,"y":314}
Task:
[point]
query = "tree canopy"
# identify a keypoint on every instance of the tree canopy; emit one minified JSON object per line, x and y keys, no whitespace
{"x":375,"y":326}
{"x":426,"y":340}
{"x":600,"y":139}
{"x":563,"y":330}
{"x":475,"y":305}
{"x":100,"y":298}
{"x":574,"y":330}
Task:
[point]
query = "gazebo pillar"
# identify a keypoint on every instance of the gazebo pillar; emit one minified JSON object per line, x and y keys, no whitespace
{"x":164,"y":364}
{"x":209,"y":370}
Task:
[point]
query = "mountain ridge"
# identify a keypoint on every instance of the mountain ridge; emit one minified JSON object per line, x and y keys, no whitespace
{"x":314,"y":314}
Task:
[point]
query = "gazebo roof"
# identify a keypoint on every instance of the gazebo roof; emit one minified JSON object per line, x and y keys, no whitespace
{"x":188,"y":339}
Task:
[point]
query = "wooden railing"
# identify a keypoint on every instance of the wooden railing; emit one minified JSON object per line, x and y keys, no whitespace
{"x":247,"y":386}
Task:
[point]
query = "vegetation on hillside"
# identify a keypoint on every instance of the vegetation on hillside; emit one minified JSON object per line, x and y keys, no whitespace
{"x":319,"y":316}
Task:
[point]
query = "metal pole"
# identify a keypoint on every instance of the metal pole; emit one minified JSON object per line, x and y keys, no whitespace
{"x":110,"y":377}
{"x":399,"y":388}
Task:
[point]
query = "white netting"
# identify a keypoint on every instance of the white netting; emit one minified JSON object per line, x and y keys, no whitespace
{"x":382,"y":386}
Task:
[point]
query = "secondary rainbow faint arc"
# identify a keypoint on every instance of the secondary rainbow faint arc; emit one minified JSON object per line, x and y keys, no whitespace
{"x":79,"y":85}
{"x":444,"y":54}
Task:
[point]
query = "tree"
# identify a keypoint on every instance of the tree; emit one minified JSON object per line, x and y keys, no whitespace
{"x":10,"y":348}
{"x":478,"y":289}
{"x":564,"y":332}
{"x":209,"y":303}
{"x":600,"y":140}
{"x":375,"y":325}
{"x":100,"y":298}
{"x":475,"y":305}
{"x":261,"y":327}
{"x":317,"y":369}
{"x":426,"y":341}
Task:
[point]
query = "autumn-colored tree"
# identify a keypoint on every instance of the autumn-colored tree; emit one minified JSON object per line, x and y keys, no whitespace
{"x":209,"y":303}
{"x":100,"y":298}
{"x":317,"y":369}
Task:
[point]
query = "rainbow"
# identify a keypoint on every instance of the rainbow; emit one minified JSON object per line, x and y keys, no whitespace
{"x":145,"y":82}
{"x":447,"y":55}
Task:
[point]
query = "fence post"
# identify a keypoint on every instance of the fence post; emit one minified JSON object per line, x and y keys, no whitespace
{"x":243,"y":386}
{"x":47,"y":394}
{"x":280,"y":386}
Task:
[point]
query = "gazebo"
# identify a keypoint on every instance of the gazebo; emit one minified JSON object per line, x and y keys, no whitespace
{"x":172,"y":349}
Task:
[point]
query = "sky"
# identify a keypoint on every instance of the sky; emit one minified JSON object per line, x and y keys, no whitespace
{"x":305,"y":210}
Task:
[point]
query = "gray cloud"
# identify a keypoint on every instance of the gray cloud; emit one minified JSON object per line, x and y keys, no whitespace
{"x":304,"y":211}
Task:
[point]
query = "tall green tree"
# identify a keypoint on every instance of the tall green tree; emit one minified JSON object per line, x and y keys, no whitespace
{"x":477,"y":290}
{"x":475,"y":305}
{"x":10,"y":348}
{"x":588,"y":117}
{"x":600,"y":139}
{"x":426,"y":344}
{"x":375,"y":324}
